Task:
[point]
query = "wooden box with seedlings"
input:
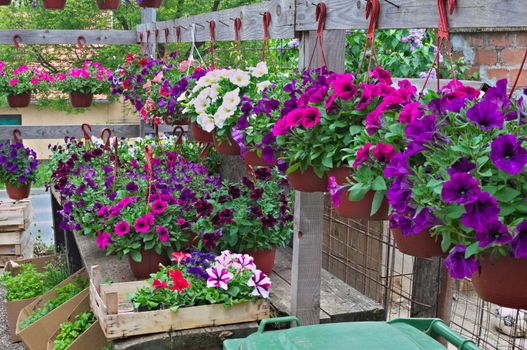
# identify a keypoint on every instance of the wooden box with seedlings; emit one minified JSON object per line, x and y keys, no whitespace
{"x":120,"y":317}
{"x":40,"y":319}
{"x":15,"y":238}
{"x":25,"y":280}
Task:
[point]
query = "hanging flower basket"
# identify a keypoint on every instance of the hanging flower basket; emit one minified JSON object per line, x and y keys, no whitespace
{"x":361,"y":210}
{"x":340,"y":174}
{"x":108,"y":4}
{"x":199,"y":134}
{"x":307,"y":181}
{"x":228,"y":146}
{"x":502,"y":281}
{"x":19,"y":100}
{"x":150,"y":3}
{"x":5,"y":2}
{"x":54,"y":4}
{"x":80,"y":100}
{"x":18,"y":192}
{"x":264,"y":259}
{"x":421,"y":246}
{"x":150,"y":261}
{"x":252,"y":158}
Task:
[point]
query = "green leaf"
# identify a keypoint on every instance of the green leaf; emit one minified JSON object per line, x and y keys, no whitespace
{"x":455,"y":211}
{"x":233,"y":291}
{"x":357,"y":192}
{"x":379,"y":184}
{"x":377,"y":202}
{"x":327,"y":161}
{"x":507,"y":194}
{"x":150,"y":244}
{"x":446,"y":242}
{"x":292,"y":168}
{"x":136,"y":256}
{"x":472,"y":249}
{"x":355,"y":129}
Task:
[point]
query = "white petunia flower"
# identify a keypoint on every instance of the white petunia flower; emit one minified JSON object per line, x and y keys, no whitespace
{"x":231,"y":99}
{"x":221,"y":116}
{"x":240,"y":78}
{"x":201,"y":103}
{"x":260,"y":70}
{"x":263,"y":85}
{"x":206,"y":122}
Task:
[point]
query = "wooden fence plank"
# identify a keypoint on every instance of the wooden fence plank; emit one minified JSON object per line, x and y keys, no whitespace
{"x":52,"y":37}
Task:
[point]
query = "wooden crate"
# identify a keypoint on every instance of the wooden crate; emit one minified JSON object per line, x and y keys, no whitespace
{"x":15,"y":216}
{"x":118,"y":319}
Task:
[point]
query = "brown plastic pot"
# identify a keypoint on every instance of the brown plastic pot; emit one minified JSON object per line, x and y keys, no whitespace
{"x":502,"y":281}
{"x":150,"y":3}
{"x":150,"y":261}
{"x":340,"y":174}
{"x":54,"y":4}
{"x":228,"y":147}
{"x":18,"y":192}
{"x":264,"y":259}
{"x":198,"y":134}
{"x":421,"y":246}
{"x":5,"y":2}
{"x":19,"y":100}
{"x":252,"y":158}
{"x":80,"y":100}
{"x":108,"y":4}
{"x":307,"y":181}
{"x":361,"y":210}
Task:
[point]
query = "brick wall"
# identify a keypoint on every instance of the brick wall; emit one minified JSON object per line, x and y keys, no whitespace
{"x":493,"y":55}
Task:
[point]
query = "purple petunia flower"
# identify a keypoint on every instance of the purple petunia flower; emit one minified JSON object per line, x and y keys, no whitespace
{"x":162,"y":233}
{"x":122,"y":228}
{"x":461,"y":166}
{"x":462,"y":188}
{"x":334,"y":190}
{"x":131,"y":187}
{"x":398,"y":166}
{"x":519,"y":242}
{"x":399,"y":194}
{"x":458,"y":266}
{"x":480,"y":212}
{"x":507,"y":154}
{"x":498,"y":94}
{"x":493,"y":232}
{"x":218,"y":277}
{"x":421,"y":130}
{"x":424,"y":221}
{"x":486,"y":115}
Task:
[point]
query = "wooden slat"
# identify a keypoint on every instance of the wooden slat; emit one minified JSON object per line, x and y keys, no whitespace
{"x":53,"y":37}
{"x":282,"y":23}
{"x":60,"y":131}
{"x":469,"y":14}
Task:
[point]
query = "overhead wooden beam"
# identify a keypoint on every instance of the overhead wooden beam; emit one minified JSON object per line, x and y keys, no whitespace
{"x":57,"y":37}
{"x":282,"y":23}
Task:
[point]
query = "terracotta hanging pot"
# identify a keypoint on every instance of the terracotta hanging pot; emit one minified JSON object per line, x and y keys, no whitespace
{"x":421,"y":246}
{"x":264,"y":259}
{"x":150,"y":3}
{"x":502,"y":281}
{"x":5,"y":2}
{"x":198,"y":134}
{"x":361,"y":210}
{"x":228,"y":146}
{"x":307,"y":181}
{"x":252,"y":158}
{"x":19,"y":100}
{"x":18,"y":192}
{"x":184,"y":121}
{"x":54,"y":4}
{"x":340,"y":174}
{"x":80,"y":100}
{"x":149,"y":264}
{"x":108,"y":4}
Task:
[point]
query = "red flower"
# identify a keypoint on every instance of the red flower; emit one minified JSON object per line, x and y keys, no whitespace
{"x":158,"y":284}
{"x":179,"y":282}
{"x":363,"y":155}
{"x":383,"y":152}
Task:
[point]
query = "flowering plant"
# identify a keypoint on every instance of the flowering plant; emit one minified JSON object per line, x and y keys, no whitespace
{"x":254,"y":215}
{"x":22,"y":80}
{"x":91,"y":78}
{"x":461,"y":175}
{"x":18,"y":164}
{"x":204,"y":279}
{"x":220,"y":97}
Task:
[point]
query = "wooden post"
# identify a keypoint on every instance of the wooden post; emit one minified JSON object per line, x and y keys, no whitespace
{"x":148,"y":15}
{"x":309,"y":207}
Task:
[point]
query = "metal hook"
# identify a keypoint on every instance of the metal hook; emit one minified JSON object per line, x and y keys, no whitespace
{"x":183,"y":27}
{"x":225,"y":24}
{"x":179,"y":131}
{"x":17,"y":134}
{"x":81,"y":41}
{"x":391,"y":3}
{"x":85,"y":132}
{"x":17,"y":39}
{"x":107,"y":132}
{"x":199,"y":25}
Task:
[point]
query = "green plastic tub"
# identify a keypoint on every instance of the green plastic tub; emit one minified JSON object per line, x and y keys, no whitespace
{"x":398,"y":334}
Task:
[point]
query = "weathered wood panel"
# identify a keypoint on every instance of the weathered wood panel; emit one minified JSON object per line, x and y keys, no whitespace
{"x":469,"y":14}
{"x":282,"y":23}
{"x":55,"y":37}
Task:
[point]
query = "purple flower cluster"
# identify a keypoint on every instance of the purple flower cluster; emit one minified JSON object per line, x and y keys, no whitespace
{"x":18,"y":164}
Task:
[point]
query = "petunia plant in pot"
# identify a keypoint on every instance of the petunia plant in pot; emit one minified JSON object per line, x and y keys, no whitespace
{"x":18,"y":85}
{"x":108,"y":4}
{"x":252,"y":217}
{"x":82,"y":83}
{"x":217,"y":101}
{"x":18,"y":169}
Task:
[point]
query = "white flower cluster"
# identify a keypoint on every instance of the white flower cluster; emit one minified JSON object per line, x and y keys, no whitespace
{"x":208,"y":91}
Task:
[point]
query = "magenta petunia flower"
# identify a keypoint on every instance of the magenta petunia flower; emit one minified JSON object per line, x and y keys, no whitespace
{"x":244,"y":262}
{"x":162,"y":233}
{"x":103,"y":211}
{"x":494,"y":232}
{"x":343,"y":86}
{"x":218,"y":277}
{"x":365,"y":98}
{"x":507,"y":154}
{"x":363,"y":155}
{"x":311,"y":117}
{"x":122,"y":228}
{"x":318,"y":95}
{"x":374,"y":121}
{"x":103,"y":239}
{"x":480,"y":212}
{"x":519,"y":241}
{"x":383,"y":76}
{"x":334,"y":190}
{"x":398,"y":166}
{"x":281,"y":127}
{"x":462,"y":188}
{"x":261,"y":284}
{"x":458,"y":266}
{"x":383,"y":152}
{"x":410,"y":112}
{"x":141,"y":225}
{"x":294,"y":118}
{"x":158,"y":207}
{"x":486,"y":115}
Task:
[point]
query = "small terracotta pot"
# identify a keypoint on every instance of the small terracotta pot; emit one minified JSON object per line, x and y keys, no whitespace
{"x":340,"y":174}
{"x":5,"y":2}
{"x":108,"y":4}
{"x":502,"y":281}
{"x":185,"y":121}
{"x":149,"y":264}
{"x":151,"y":3}
{"x":264,"y":259}
{"x":228,"y":146}
{"x":18,"y":192}
{"x":54,"y":4}
{"x":307,"y":181}
{"x":252,"y":158}
{"x":198,"y":134}
{"x":19,"y":100}
{"x":360,"y":210}
{"x":80,"y":100}
{"x":421,"y":246}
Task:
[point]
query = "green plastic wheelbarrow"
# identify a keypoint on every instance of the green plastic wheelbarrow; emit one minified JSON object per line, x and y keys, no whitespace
{"x":398,"y":334}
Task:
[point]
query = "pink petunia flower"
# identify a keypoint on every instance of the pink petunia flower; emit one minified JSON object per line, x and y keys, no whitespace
{"x":122,"y":228}
{"x":261,"y":284}
{"x":103,"y":239}
{"x":334,"y":190}
{"x":13,"y":81}
{"x":162,"y":233}
{"x":244,"y":262}
{"x":218,"y":277}
{"x":34,"y":81}
{"x":180,"y":257}
{"x":363,"y":155}
{"x":158,"y":207}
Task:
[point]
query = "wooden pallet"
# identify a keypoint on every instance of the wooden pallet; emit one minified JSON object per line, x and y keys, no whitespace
{"x":15,"y":238}
{"x":15,"y":216}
